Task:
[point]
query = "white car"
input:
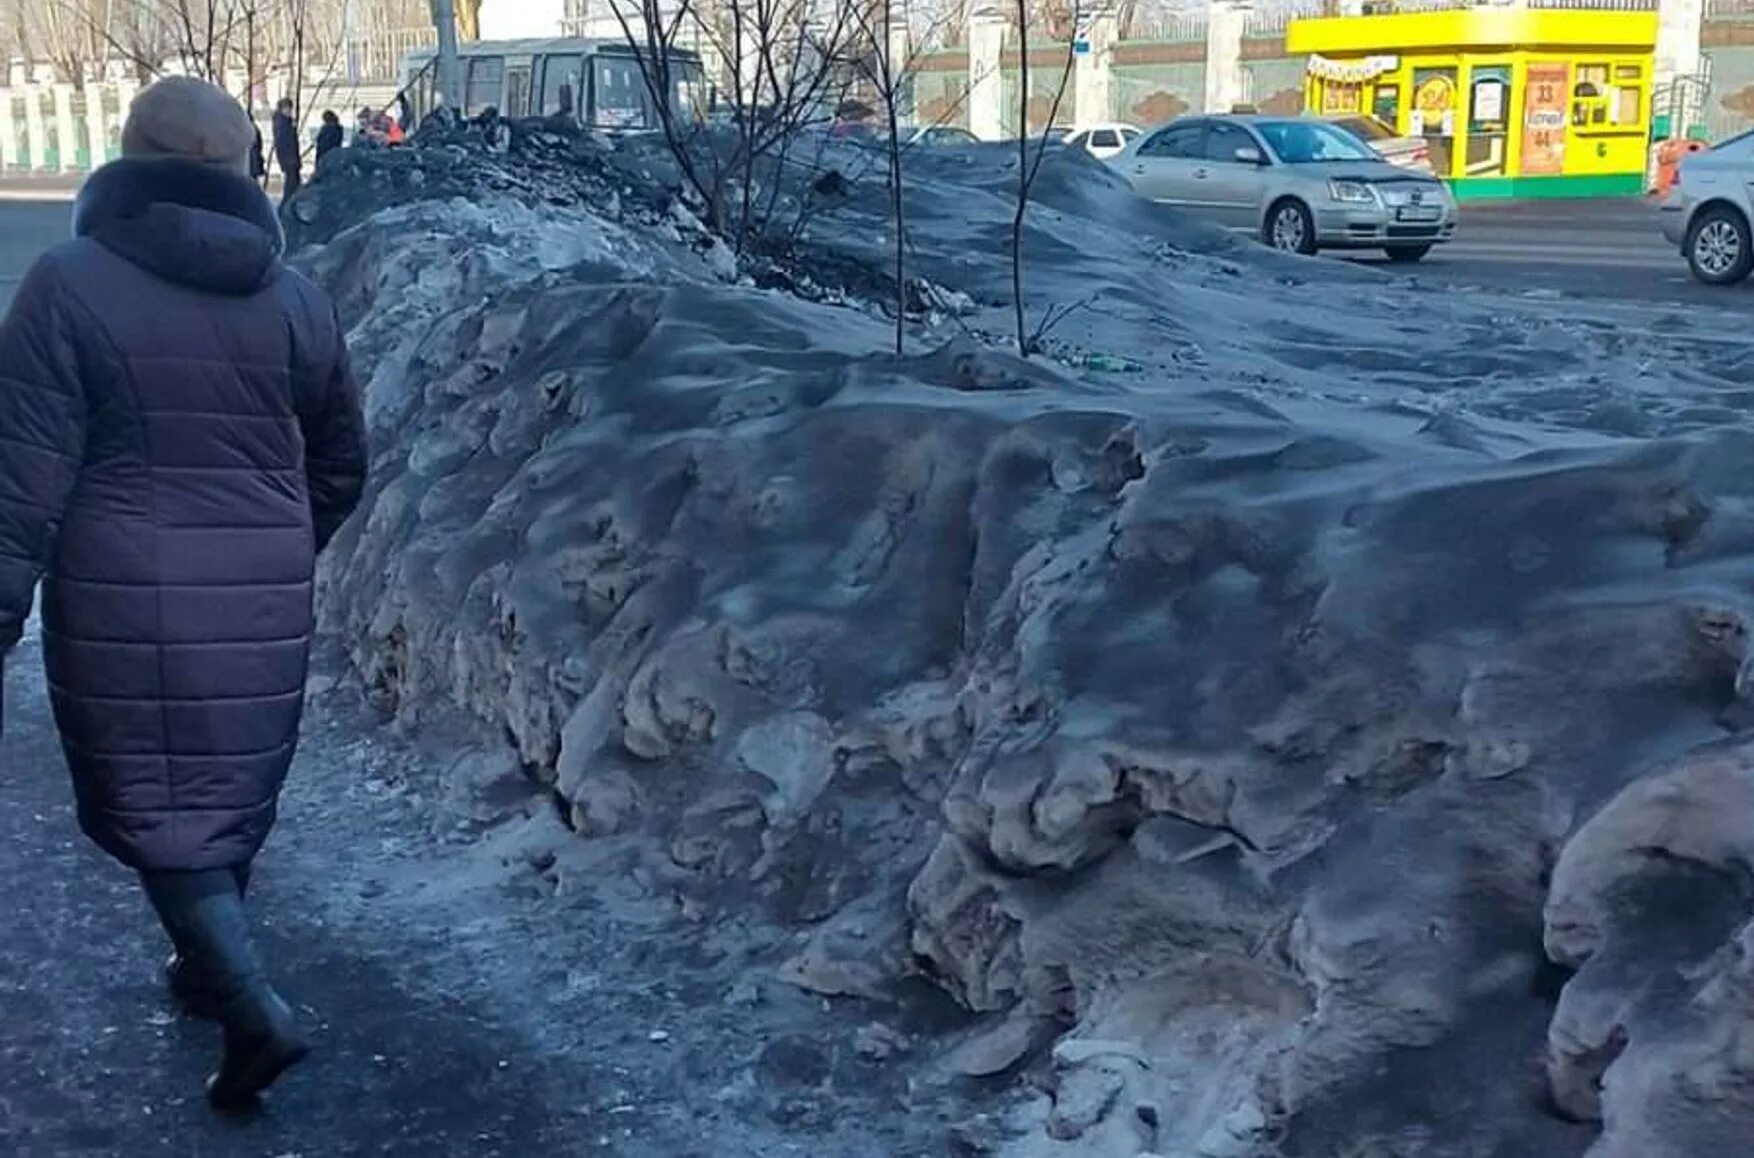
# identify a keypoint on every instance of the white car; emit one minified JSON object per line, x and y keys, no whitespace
{"x":943,"y":136}
{"x":1403,"y":152}
{"x":1102,"y":141}
{"x":1706,"y":214}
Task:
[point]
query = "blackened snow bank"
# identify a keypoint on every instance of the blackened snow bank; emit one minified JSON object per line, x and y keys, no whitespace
{"x":1319,"y":742}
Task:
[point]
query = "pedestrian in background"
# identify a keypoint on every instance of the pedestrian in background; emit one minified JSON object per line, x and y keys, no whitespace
{"x":182,"y":435}
{"x":365,"y":128}
{"x":258,"y":162}
{"x":328,"y":137}
{"x":288,"y":154}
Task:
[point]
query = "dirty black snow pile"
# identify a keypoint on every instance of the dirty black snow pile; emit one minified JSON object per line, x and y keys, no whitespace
{"x":1323,"y":736}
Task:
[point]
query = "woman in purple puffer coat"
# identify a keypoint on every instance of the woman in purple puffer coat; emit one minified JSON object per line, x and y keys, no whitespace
{"x":179,"y":436}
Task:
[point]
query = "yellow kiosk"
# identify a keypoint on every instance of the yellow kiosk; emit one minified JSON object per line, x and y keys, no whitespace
{"x":1513,"y":102}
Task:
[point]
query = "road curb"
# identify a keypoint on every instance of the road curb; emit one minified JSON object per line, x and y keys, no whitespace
{"x":14,"y":194}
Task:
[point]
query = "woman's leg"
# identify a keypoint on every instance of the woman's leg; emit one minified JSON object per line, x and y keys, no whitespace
{"x":183,"y":975}
{"x":205,"y":918}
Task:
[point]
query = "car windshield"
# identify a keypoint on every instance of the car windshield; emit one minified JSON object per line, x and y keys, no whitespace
{"x":1312,"y":142}
{"x":1731,"y":142}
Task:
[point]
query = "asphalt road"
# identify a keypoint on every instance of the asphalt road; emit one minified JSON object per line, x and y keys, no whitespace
{"x":27,"y":228}
{"x":1611,"y":249}
{"x":1591,"y":248}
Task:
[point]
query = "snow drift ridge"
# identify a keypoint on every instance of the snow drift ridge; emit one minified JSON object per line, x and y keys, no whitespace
{"x":1313,"y":746}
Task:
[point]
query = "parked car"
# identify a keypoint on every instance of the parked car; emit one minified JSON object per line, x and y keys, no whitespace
{"x":1298,"y":183}
{"x":1406,"y":152}
{"x":938,"y":136}
{"x":1102,"y":141}
{"x":1707,"y":211}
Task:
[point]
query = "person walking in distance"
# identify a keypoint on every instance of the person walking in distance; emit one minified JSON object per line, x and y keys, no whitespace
{"x":329,"y":137}
{"x":258,"y":163}
{"x":287,"y":153}
{"x":182,"y":435}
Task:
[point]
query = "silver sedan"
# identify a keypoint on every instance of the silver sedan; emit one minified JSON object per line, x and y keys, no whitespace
{"x":1297,"y":183}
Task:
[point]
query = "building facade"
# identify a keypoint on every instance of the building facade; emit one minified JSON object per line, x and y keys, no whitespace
{"x":1656,"y":67}
{"x":1511,"y":102}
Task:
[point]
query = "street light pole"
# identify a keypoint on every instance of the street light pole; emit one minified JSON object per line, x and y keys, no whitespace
{"x":444,"y":17}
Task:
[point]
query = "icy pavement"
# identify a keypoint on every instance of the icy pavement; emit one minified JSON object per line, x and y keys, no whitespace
{"x":478,"y":982}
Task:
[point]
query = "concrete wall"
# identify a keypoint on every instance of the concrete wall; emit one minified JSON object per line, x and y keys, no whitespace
{"x":1148,"y":94}
{"x":1191,"y":64}
{"x":1727,"y":54}
{"x":1048,"y":76}
{"x":1273,"y":83}
{"x":940,"y":89}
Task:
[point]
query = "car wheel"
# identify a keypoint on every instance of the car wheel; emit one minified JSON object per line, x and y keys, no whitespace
{"x":1289,"y":228}
{"x":1719,"y":248}
{"x":1407,"y":254}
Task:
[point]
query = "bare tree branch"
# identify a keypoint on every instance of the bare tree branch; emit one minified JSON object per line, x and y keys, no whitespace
{"x":1027,"y":168}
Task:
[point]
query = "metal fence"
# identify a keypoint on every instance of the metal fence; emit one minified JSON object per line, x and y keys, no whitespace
{"x":1180,"y":27}
{"x":1274,"y":22}
{"x":1387,"y":7}
{"x":378,"y":58}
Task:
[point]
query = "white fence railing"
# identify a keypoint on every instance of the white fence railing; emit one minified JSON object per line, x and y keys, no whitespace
{"x":379,"y":58}
{"x":1180,"y":27}
{"x":1387,"y":7}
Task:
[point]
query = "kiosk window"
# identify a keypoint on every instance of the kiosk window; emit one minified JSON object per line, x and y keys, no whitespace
{"x":1589,"y":96}
{"x":1627,"y":112}
{"x":1385,"y":104}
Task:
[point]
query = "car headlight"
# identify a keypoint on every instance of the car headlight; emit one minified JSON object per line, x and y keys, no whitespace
{"x":1356,"y":192}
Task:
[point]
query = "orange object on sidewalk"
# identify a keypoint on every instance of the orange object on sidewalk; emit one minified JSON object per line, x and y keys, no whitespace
{"x":1669,"y":155}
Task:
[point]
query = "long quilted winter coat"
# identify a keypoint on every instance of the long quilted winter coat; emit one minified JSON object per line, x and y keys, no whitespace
{"x":179,"y":436}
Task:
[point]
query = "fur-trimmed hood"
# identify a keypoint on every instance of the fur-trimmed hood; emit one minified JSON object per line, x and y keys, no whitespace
{"x":192,"y":224}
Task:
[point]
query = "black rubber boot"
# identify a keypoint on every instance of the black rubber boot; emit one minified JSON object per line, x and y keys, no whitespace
{"x":190,"y":987}
{"x":205,"y":916}
{"x":188,"y":983}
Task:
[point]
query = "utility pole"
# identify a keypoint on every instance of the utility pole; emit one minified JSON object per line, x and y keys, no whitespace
{"x":450,"y":89}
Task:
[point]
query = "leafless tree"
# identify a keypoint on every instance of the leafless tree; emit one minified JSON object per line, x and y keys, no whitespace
{"x":72,"y":34}
{"x":890,"y":75}
{"x":782,"y":69}
{"x":1028,"y":164}
{"x":885,"y":74}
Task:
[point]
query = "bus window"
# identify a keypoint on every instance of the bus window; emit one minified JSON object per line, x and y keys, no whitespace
{"x":563,"y":85}
{"x":486,"y":75}
{"x":517,"y":91}
{"x":691,"y":92}
{"x":420,"y":91}
{"x":619,"y":94}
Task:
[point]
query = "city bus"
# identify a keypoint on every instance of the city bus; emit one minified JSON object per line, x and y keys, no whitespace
{"x":597,"y":82}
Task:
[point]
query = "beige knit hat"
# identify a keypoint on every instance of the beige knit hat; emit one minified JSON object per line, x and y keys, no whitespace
{"x":190,"y":120}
